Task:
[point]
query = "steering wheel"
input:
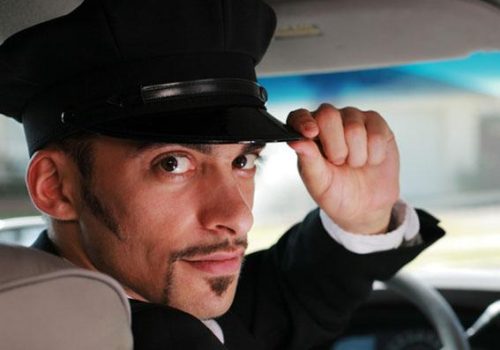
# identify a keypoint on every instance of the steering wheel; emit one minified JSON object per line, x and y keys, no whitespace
{"x":434,"y":307}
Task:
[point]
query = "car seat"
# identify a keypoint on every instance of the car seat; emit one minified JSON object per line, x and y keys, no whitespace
{"x":48,"y":303}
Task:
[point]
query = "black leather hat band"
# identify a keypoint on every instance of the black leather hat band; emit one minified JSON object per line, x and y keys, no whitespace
{"x":204,"y":87}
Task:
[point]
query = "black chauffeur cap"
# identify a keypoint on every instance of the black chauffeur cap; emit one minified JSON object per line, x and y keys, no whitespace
{"x":157,"y":70}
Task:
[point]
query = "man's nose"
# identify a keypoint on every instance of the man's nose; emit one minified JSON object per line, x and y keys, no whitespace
{"x":226,"y":206}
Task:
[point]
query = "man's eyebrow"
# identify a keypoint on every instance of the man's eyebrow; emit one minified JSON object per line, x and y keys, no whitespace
{"x":140,"y":147}
{"x":204,"y":148}
{"x":253,"y":146}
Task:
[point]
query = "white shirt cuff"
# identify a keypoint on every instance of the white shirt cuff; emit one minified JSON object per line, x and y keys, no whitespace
{"x":403,"y":215}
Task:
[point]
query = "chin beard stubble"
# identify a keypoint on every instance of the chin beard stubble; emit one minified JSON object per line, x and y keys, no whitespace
{"x":218,"y":285}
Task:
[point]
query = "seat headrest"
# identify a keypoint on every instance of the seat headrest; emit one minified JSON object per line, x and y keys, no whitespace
{"x":48,"y":303}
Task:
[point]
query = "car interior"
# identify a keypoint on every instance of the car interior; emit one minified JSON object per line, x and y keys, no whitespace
{"x":47,"y":303}
{"x":430,"y":67}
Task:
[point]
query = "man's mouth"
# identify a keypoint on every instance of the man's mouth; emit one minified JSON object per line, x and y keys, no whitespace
{"x":219,"y":263}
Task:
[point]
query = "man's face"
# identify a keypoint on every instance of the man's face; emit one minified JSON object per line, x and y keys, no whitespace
{"x":170,"y":221}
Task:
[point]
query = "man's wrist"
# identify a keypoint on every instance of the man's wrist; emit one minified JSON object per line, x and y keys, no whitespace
{"x":404,"y":227}
{"x":375,"y":223}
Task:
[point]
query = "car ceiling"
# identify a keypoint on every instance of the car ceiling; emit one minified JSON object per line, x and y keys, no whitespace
{"x":338,"y":35}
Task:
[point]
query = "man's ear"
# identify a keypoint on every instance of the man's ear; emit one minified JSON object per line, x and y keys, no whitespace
{"x":52,"y":184}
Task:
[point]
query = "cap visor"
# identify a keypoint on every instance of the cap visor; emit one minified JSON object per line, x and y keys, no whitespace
{"x":214,"y":125}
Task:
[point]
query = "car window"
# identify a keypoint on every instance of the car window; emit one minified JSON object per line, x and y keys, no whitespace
{"x":446,"y":118}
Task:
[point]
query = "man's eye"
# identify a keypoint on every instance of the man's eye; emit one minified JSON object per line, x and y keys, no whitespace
{"x":175,"y":164}
{"x":246,"y":162}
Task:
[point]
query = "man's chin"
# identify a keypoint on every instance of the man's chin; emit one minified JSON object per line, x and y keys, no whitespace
{"x":207,"y":311}
{"x":216,"y":304}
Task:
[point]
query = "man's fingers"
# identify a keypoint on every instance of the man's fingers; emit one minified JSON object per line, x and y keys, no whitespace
{"x":355,"y":136}
{"x":346,"y":135}
{"x":379,"y":137}
{"x":331,"y":133}
{"x":303,"y":122}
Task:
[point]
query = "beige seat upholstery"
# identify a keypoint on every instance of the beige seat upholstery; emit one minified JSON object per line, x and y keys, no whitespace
{"x":48,"y":303}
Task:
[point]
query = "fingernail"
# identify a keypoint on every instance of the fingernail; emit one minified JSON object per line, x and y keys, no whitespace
{"x":310,"y":127}
{"x":339,"y":161}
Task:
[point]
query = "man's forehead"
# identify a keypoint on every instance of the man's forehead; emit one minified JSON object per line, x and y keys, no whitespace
{"x":205,"y":148}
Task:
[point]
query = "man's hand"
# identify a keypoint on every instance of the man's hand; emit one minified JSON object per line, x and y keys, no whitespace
{"x":349,"y":163}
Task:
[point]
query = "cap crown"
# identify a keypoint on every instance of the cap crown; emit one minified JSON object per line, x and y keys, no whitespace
{"x":133,"y":42}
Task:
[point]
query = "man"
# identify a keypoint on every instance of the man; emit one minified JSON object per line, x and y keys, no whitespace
{"x":144,"y":123}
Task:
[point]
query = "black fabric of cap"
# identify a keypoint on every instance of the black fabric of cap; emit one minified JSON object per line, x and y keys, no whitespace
{"x":107,"y":50}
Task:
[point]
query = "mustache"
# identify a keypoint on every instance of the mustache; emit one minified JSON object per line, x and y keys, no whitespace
{"x":196,"y":250}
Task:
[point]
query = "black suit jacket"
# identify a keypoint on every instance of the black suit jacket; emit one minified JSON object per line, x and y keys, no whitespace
{"x":298,"y":294}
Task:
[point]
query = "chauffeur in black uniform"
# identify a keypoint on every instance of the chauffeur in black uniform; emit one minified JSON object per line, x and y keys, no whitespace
{"x":144,"y":121}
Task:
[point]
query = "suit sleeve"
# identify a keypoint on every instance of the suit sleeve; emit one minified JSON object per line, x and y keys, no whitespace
{"x":300,"y":293}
